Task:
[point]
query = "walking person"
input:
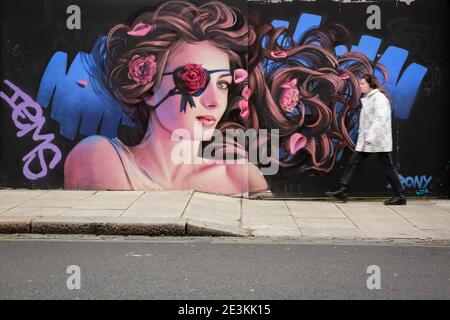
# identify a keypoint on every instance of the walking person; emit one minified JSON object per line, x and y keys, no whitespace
{"x":374,"y":137}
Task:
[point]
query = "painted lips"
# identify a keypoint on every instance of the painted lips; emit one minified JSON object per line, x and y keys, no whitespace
{"x":207,"y":121}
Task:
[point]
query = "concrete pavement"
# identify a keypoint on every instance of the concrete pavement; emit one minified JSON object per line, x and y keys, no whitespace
{"x":175,"y":213}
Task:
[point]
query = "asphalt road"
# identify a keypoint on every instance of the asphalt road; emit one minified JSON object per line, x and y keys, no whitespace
{"x":205,"y":268}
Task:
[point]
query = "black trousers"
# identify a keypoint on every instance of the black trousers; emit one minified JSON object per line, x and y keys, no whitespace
{"x":385,"y":158}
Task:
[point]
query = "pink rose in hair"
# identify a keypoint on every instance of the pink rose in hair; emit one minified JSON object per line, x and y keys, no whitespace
{"x":142,"y":69}
{"x":290,"y":96}
{"x":246,"y":92}
{"x":243,"y":105}
{"x":192,"y":77}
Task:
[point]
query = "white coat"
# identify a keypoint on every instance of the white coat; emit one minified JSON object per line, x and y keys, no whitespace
{"x":375,"y":128}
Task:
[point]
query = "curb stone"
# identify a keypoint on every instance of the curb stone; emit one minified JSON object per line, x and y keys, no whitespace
{"x":108,"y":226}
{"x":15,"y":224}
{"x":202,"y":228}
{"x":132,"y":226}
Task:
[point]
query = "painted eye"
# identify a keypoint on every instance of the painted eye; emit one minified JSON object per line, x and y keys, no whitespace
{"x":223,"y":85}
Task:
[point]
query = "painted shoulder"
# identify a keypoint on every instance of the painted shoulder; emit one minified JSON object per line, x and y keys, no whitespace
{"x":95,"y":164}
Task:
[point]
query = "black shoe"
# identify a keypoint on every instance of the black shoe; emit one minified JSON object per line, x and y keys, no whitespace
{"x":340,"y":194}
{"x":397,"y":200}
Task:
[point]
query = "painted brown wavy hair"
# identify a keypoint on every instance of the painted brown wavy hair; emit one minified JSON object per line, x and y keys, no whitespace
{"x":328,"y":86}
{"x":172,"y":22}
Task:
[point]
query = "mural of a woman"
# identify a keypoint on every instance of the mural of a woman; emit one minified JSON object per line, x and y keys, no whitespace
{"x":175,"y":67}
{"x":182,"y":66}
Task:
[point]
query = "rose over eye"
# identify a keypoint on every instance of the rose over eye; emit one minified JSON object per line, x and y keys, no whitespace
{"x":193,"y":78}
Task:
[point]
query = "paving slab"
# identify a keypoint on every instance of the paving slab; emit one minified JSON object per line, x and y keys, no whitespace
{"x":33,"y":212}
{"x":444,"y":205}
{"x":92,"y":213}
{"x":437,"y":234}
{"x":250,"y":220}
{"x":314,"y":209}
{"x":372,"y":211}
{"x":51,"y":203}
{"x":214,"y":209}
{"x":110,"y":200}
{"x":425,"y":216}
{"x":385,"y":232}
{"x":56,"y":199}
{"x":379,"y":221}
{"x":65,"y":195}
{"x":161,"y":204}
{"x":15,"y":197}
{"x":277,"y":232}
{"x":271,"y":226}
{"x":259,"y":208}
{"x":328,"y":227}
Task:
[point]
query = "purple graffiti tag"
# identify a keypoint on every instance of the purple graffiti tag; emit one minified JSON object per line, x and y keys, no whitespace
{"x":27,"y":116}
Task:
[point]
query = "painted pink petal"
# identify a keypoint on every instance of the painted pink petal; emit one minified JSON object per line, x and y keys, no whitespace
{"x":244,"y":114}
{"x":278,"y":54}
{"x":140,"y":30}
{"x":289,"y":85}
{"x":83,"y":83}
{"x":240,"y":75}
{"x":344,"y":76}
{"x":243,"y":105}
{"x":297,"y":142}
{"x":246,"y":92}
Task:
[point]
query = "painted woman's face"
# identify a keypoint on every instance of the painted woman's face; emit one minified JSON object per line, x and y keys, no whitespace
{"x":365,"y":87}
{"x":201,"y":120}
